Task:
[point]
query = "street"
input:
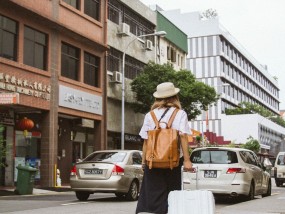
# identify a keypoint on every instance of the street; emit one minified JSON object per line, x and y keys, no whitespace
{"x":66,"y":202}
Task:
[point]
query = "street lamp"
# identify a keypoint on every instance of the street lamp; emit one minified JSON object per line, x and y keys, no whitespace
{"x":158,"y":33}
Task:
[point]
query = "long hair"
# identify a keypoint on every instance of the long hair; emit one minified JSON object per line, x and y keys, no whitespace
{"x":166,"y":102}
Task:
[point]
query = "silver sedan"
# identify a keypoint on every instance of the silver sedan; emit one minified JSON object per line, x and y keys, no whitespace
{"x":108,"y":171}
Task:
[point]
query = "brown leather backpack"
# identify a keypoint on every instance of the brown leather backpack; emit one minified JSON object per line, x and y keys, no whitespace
{"x":163,"y":146}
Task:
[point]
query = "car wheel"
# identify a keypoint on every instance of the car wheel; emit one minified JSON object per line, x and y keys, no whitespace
{"x":278,"y":183}
{"x":82,"y":196}
{"x":120,"y":195}
{"x":133,"y":192}
{"x":268,"y":192}
{"x":250,"y":195}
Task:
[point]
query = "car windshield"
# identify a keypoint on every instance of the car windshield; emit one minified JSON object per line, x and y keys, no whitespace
{"x":214,"y":157}
{"x":281,"y":160}
{"x":106,"y":156}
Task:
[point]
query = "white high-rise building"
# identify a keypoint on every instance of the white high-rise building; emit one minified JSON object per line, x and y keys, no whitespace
{"x":217,"y":59}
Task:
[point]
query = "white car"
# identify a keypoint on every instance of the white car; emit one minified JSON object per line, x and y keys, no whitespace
{"x":228,"y":171}
{"x":110,"y":171}
{"x":279,"y":169}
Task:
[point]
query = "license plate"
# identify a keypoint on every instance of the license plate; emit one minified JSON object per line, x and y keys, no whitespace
{"x":93,"y":171}
{"x":210,"y":173}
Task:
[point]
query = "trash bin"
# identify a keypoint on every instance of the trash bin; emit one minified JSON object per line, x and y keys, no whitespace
{"x":25,"y":180}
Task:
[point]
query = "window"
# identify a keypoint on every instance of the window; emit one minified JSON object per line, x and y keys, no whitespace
{"x":92,"y":8}
{"x":69,"y":61}
{"x":8,"y":38}
{"x":137,"y":158}
{"x":73,"y":3}
{"x":214,"y":157}
{"x":91,"y":69}
{"x":35,"y":48}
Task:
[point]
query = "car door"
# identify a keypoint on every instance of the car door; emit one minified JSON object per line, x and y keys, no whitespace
{"x":264,"y":176}
{"x":137,"y":165}
{"x":256,"y":170}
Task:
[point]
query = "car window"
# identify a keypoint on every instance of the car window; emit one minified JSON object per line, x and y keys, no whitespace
{"x":248,"y":157}
{"x":214,"y":157}
{"x":107,"y":156}
{"x":281,"y":160}
{"x":137,"y":158}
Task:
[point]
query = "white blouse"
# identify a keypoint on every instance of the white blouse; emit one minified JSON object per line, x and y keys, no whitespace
{"x":180,"y":121}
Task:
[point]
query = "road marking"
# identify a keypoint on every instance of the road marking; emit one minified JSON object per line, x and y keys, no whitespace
{"x":74,"y":203}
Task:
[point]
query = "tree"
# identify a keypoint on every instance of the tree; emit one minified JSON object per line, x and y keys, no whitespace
{"x":252,"y":144}
{"x":194,"y":96}
{"x":251,"y":108}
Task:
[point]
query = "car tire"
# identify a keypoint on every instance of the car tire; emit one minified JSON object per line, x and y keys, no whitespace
{"x":82,"y":196}
{"x":133,"y":192}
{"x":120,"y":195}
{"x":268,"y":192}
{"x":278,"y":183}
{"x":250,"y":195}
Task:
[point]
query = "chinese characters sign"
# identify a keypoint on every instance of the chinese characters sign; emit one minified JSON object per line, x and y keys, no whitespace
{"x":24,"y":86}
{"x":9,"y":98}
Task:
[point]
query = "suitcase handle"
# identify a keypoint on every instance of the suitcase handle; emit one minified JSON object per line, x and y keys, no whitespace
{"x":194,"y":169}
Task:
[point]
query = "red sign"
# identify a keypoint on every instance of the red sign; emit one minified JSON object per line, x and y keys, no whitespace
{"x":9,"y":98}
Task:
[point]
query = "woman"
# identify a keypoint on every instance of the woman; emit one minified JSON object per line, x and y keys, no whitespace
{"x":157,"y":183}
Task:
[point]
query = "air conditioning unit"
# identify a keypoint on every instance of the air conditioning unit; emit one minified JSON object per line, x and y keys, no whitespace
{"x":148,"y":45}
{"x":124,"y":29}
{"x":117,"y":76}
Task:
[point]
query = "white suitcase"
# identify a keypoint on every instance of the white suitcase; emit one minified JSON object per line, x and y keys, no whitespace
{"x":191,"y":201}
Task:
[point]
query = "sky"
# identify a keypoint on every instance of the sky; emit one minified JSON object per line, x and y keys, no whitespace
{"x":258,"y":25}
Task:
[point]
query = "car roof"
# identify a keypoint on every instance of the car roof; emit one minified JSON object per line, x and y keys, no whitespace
{"x":118,"y":150}
{"x":221,"y":148}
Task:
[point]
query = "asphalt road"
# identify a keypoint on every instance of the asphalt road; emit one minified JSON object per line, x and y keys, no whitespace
{"x":66,"y":202}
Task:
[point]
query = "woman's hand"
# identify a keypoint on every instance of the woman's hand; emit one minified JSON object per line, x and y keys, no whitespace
{"x":187,"y":165}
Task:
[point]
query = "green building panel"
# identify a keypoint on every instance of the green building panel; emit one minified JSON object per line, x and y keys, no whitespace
{"x":174,"y":34}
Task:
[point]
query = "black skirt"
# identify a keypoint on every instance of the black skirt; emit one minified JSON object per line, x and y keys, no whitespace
{"x":156,"y":185}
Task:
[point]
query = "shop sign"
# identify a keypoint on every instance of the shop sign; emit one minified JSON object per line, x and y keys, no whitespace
{"x":79,"y":100}
{"x":23,"y":86}
{"x":7,"y":118}
{"x":133,"y":138}
{"x":9,"y":98}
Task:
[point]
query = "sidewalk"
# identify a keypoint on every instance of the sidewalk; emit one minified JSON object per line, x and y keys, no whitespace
{"x":9,"y":191}
{"x":274,"y":204}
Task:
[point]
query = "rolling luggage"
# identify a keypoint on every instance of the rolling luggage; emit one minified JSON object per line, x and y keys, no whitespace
{"x":191,"y":201}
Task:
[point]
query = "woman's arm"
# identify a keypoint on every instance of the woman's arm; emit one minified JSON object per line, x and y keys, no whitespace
{"x":184,"y":144}
{"x":144,"y":154}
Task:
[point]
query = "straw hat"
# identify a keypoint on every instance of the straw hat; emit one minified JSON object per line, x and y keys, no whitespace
{"x":165,"y":90}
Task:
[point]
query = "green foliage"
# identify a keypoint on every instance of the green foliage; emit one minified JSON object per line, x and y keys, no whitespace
{"x":2,"y":147}
{"x":194,"y":96}
{"x":252,"y":144}
{"x":250,"y":108}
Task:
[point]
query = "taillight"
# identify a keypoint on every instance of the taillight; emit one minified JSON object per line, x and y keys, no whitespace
{"x":117,"y":170}
{"x":235,"y":170}
{"x":73,"y":170}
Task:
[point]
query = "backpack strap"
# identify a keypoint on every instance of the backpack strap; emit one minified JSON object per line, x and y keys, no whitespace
{"x":157,"y":126}
{"x":169,"y":124}
{"x":155,"y":119}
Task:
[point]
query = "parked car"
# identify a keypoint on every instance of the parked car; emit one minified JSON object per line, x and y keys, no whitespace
{"x":279,"y":169}
{"x":108,"y":171}
{"x":228,"y":171}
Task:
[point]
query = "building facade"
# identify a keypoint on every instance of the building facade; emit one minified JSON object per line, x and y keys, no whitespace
{"x":173,"y":47}
{"x":217,"y":59}
{"x":52,"y":73}
{"x":127,"y":20}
